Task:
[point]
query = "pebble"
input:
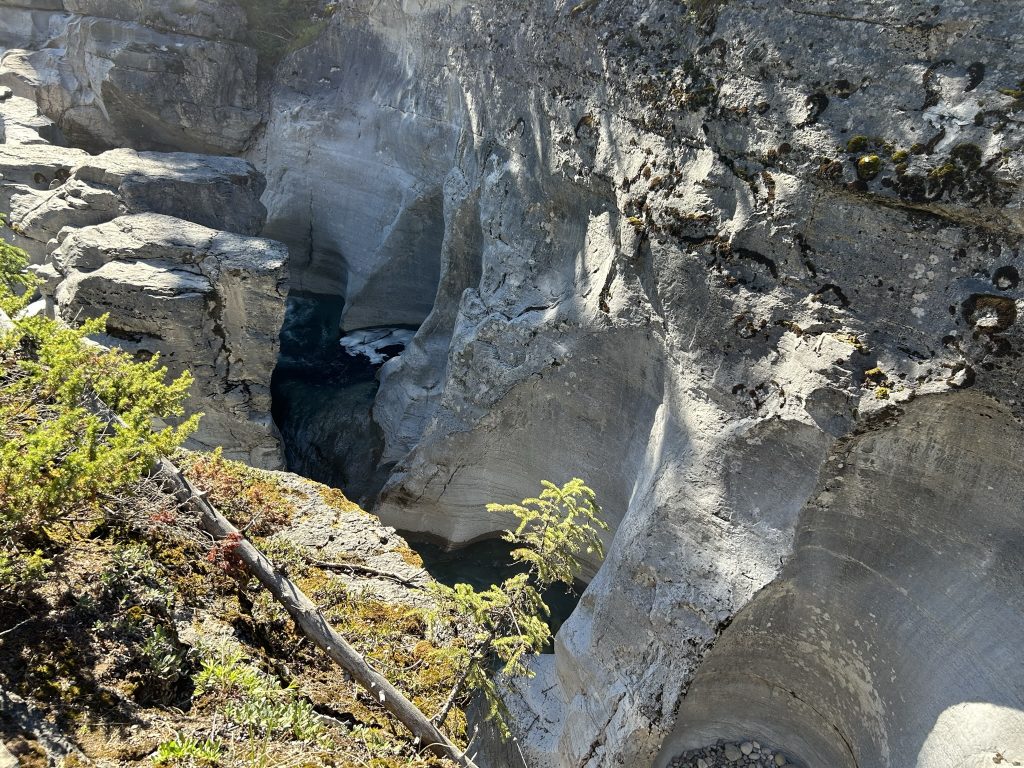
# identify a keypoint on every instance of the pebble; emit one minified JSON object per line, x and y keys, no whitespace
{"x":744,"y":754}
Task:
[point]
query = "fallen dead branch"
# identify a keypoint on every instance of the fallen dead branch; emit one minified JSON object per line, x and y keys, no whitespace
{"x":310,"y":620}
{"x":364,"y":570}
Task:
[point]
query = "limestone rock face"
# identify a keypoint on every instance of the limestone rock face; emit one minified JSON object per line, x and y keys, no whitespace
{"x":906,"y":544}
{"x":198,"y":18}
{"x":219,"y":192}
{"x":29,"y":163}
{"x":154,"y":76}
{"x":750,"y":268}
{"x":369,"y":146}
{"x":31,"y":23}
{"x":682,"y":252}
{"x":125,"y":233}
{"x":208,"y":301}
{"x":21,"y":123}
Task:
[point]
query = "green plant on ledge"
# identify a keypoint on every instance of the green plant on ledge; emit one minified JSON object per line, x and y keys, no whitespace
{"x":555,"y":531}
{"x":62,"y":456}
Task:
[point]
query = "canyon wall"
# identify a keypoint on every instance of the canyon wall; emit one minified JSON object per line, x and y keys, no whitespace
{"x":685,"y":251}
{"x":752,"y":269}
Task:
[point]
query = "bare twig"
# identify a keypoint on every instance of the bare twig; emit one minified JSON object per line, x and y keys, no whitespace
{"x":17,"y":626}
{"x":460,"y":684}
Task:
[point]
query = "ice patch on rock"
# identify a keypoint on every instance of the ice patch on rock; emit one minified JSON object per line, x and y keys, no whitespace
{"x":377,"y":344}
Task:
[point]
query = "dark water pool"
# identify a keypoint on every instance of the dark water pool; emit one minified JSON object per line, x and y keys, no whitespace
{"x":488,"y":562}
{"x":323,"y":400}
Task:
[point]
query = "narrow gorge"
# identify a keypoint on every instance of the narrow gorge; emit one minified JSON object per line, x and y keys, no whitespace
{"x":751,"y":268}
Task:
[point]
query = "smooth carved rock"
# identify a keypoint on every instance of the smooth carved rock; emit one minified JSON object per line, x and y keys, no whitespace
{"x":905,"y":545}
{"x":348,"y":126}
{"x":205,"y":300}
{"x":661,"y":271}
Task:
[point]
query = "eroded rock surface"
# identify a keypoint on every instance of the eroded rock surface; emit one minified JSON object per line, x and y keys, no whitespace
{"x":220,"y":192}
{"x":153,"y":76}
{"x":351,"y":122}
{"x":683,"y":251}
{"x":205,"y":300}
{"x":905,"y":555}
{"x":124,"y":233}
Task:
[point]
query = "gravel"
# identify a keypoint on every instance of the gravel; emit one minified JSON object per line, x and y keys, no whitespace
{"x":745,"y":754}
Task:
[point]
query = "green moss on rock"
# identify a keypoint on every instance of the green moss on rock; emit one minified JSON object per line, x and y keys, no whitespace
{"x":868,"y":167}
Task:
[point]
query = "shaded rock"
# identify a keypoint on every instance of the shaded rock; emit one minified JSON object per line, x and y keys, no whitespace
{"x":218,"y":192}
{"x":905,"y":544}
{"x":29,"y":23}
{"x":197,"y":18}
{"x":347,"y":125}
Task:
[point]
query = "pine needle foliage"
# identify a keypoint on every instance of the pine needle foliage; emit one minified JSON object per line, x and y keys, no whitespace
{"x":555,"y":529}
{"x":16,"y":284}
{"x":62,"y":454}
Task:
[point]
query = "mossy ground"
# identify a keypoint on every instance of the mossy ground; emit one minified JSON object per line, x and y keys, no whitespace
{"x":113,"y":646}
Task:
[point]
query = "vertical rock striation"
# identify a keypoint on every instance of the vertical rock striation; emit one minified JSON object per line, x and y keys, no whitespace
{"x":905,"y":560}
{"x":205,"y":300}
{"x":682,"y":252}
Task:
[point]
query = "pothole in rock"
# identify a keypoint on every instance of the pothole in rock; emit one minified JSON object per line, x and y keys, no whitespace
{"x":729,"y":754}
